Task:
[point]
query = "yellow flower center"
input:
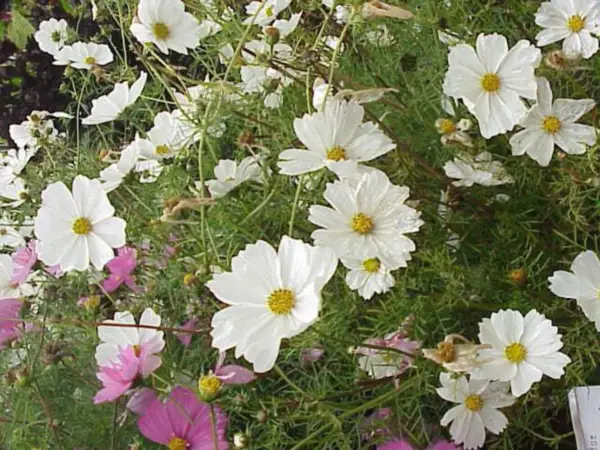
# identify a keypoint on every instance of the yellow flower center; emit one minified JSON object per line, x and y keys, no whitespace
{"x":281,"y":301}
{"x":56,"y":36}
{"x":336,"y":154}
{"x":137,"y":350}
{"x":552,"y":124}
{"x":90,"y":60}
{"x":161,"y":30}
{"x":490,"y":82}
{"x":162,"y":149}
{"x":372,"y":265}
{"x":3,"y":231}
{"x":446,"y":352}
{"x":362,"y":224}
{"x":209,"y":385}
{"x":177,"y":444}
{"x":576,"y":23}
{"x":474,"y":403}
{"x":515,"y":353}
{"x":93,"y":301}
{"x":447,"y":126}
{"x":269,"y":11}
{"x":82,"y":226}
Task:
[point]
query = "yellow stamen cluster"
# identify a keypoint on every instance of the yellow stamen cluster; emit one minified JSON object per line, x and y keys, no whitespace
{"x":209,"y":385}
{"x":474,"y":403}
{"x":552,"y":124}
{"x":447,"y":126}
{"x":177,"y":444}
{"x":515,"y":352}
{"x":336,"y":154}
{"x":82,"y":226}
{"x":361,"y":223}
{"x":446,"y":352}
{"x":281,"y":301}
{"x":161,"y":30}
{"x":490,"y":82}
{"x":372,"y":265}
{"x":576,"y":23}
{"x":162,"y":149}
{"x":90,"y":60}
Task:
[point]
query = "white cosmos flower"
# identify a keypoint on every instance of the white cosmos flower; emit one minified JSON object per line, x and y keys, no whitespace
{"x":335,"y":138}
{"x":115,"y":339}
{"x":113,"y":175}
{"x":9,"y":235}
{"x":74,"y":229}
{"x":8,"y":289}
{"x":149,"y":170}
{"x":368,"y":217}
{"x":230,"y":175}
{"x":571,"y":20}
{"x":108,"y":107}
{"x":12,"y":164}
{"x":14,"y":194}
{"x":166,"y":24}
{"x":477,"y":409}
{"x":262,"y":15}
{"x":548,"y":124}
{"x":480,"y":169}
{"x":266,"y":81}
{"x":491,"y":80}
{"x":286,"y":27}
{"x":84,"y":55}
{"x":581,"y":284}
{"x":164,"y":140}
{"x":52,"y":35}
{"x":272,"y":296}
{"x":368,"y":276}
{"x":522,"y":349}
{"x":34,"y":131}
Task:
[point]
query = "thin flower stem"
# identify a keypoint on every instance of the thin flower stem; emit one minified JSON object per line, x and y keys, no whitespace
{"x":295,"y":205}
{"x":288,"y":381}
{"x":213,"y":427}
{"x":48,"y":414}
{"x":365,"y":406}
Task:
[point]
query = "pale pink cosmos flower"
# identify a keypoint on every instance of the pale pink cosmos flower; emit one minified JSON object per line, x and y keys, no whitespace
{"x":183,"y":422}
{"x":381,"y":363}
{"x":311,"y":355}
{"x":186,"y":338}
{"x":140,"y":400}
{"x":232,"y":373}
{"x":24,"y":259}
{"x":402,"y":444}
{"x":11,"y":326}
{"x":121,"y":268}
{"x":118,"y":377}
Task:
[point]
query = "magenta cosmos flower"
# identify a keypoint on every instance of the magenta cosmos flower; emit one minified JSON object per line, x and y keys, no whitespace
{"x":183,"y":423}
{"x":24,"y":258}
{"x":121,"y":268}
{"x":11,"y":325}
{"x":401,"y":444}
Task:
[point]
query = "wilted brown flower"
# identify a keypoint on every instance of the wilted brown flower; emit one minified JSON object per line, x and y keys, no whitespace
{"x":455,"y":357}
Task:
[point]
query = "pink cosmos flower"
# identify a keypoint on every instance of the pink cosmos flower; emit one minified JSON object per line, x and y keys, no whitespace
{"x":140,"y":400}
{"x":24,"y":258}
{"x":183,"y":422}
{"x":311,"y":355}
{"x":232,"y":374}
{"x":121,"y":267}
{"x":401,"y":444}
{"x":118,"y":377}
{"x":379,"y":363}
{"x":11,"y":326}
{"x":186,"y":338}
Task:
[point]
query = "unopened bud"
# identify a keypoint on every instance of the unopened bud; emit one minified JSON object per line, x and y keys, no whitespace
{"x":518,"y":276}
{"x":273,"y":35}
{"x":189,"y":279}
{"x":241,"y":440}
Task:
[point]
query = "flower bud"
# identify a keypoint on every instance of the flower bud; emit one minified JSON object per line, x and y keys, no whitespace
{"x":518,"y":276}
{"x":241,"y":440}
{"x":273,"y":35}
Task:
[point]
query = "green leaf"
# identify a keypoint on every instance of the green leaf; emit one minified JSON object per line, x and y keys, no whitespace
{"x":19,"y":29}
{"x":67,"y":7}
